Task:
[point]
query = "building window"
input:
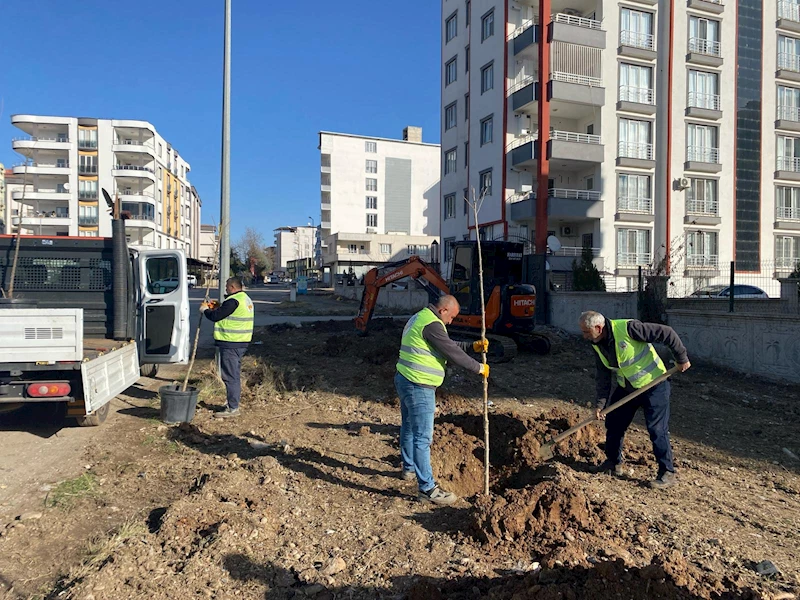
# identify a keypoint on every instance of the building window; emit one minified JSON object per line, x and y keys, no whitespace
{"x":466,"y":154}
{"x":450,"y":206}
{"x":87,"y":164}
{"x":160,"y":219}
{"x":636,"y":29}
{"x":787,"y":252}
{"x":465,"y":199}
{"x":448,"y":248}
{"x":704,"y":90}
{"x":487,"y":130}
{"x":160,"y":149}
{"x":466,"y":107}
{"x":466,"y":59}
{"x":87,"y":139}
{"x":386,"y":248}
{"x":704,"y":36}
{"x":788,"y":103}
{"x":450,"y":116}
{"x":468,"y":6}
{"x":701,"y":143}
{"x":160,"y":174}
{"x":702,"y":197}
{"x":451,"y":71}
{"x":701,"y":249}
{"x":372,"y":185}
{"x":487,"y":77}
{"x":633,"y":247}
{"x":372,"y":202}
{"x":450,"y":161}
{"x":418,"y":249}
{"x":787,"y":203}
{"x":788,"y":154}
{"x":372,"y":166}
{"x":87,"y":190}
{"x":372,"y":220}
{"x":485,"y":180}
{"x":370,"y":147}
{"x":352,"y":249}
{"x":635,"y":84}
{"x":487,"y":25}
{"x":635,"y":139}
{"x":451,"y":27}
{"x":633,"y":193}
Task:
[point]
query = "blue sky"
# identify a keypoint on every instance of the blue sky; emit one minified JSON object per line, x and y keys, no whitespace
{"x":360,"y":66}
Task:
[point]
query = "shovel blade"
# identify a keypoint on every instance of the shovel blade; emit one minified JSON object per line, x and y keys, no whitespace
{"x":546,"y":451}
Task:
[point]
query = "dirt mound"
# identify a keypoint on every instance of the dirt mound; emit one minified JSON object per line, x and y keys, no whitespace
{"x":455,"y":460}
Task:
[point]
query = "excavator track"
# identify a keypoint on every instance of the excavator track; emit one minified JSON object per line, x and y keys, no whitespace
{"x":501,"y":348}
{"x":535,"y":342}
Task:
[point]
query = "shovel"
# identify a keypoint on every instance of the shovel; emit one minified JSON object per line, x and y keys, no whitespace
{"x":546,"y":451}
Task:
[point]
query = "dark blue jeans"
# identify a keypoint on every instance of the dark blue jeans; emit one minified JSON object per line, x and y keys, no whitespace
{"x":417,"y":406}
{"x":655,"y":403}
{"x":230,"y":370}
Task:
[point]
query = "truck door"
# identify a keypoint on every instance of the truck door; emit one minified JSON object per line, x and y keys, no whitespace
{"x":164,"y":307}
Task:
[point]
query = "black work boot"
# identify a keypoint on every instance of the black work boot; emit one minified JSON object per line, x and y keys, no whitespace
{"x":609,"y":468}
{"x":665,"y":479}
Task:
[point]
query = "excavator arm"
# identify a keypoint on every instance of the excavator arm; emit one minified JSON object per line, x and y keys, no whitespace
{"x":376,"y":278}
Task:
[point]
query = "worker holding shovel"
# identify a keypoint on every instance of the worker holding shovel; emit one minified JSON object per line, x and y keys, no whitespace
{"x":625,"y":347}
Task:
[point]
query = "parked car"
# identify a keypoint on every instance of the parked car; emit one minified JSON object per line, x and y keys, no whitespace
{"x":724,"y":291}
{"x":192,"y":280}
{"x":165,"y":285}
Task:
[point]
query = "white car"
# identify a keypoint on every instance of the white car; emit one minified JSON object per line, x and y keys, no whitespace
{"x":192,"y":280}
{"x":724,"y":291}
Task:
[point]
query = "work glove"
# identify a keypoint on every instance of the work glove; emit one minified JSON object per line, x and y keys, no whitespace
{"x":203,"y":307}
{"x":480,"y":346}
{"x":484,"y":371}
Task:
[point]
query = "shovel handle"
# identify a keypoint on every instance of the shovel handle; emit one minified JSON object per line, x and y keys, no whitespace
{"x":614,"y":406}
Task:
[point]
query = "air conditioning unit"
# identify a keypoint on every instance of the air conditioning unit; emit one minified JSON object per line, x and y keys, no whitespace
{"x":571,"y":11}
{"x":567,"y":230}
{"x":684,"y":183}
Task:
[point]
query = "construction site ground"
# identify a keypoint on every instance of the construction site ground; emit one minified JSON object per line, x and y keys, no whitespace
{"x":300,"y":497}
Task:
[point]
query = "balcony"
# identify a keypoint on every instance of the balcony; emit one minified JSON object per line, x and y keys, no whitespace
{"x":788,"y":66}
{"x":525,"y":38}
{"x":634,"y":209}
{"x":637,"y":45}
{"x":633,"y":260}
{"x":788,"y":118}
{"x":57,"y":142}
{"x":133,"y":171}
{"x":87,"y":169}
{"x":704,"y":52}
{"x":703,"y":262}
{"x":562,"y":203}
{"x":88,"y":221}
{"x":638,"y":155}
{"x":38,"y":168}
{"x":636,"y":99}
{"x":787,"y":217}
{"x":789,"y":16}
{"x":524,"y":95}
{"x":702,"y":158}
{"x":524,"y":151}
{"x":573,"y":29}
{"x":133,"y":145}
{"x":704,"y":106}
{"x":572,"y":89}
{"x":84,"y":144}
{"x":702,"y":212}
{"x":712,"y":6}
{"x":576,"y":149}
{"x":788,"y":168}
{"x":61,"y":220}
{"x":40,"y":194}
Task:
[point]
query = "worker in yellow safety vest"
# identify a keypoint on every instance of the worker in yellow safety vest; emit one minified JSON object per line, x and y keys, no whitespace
{"x":624,"y":348}
{"x":233,"y":330}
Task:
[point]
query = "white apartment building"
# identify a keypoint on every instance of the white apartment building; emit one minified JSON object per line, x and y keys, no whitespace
{"x":71,"y":160}
{"x":293,"y":243}
{"x":209,"y":248}
{"x":379,"y":199}
{"x":622,"y":86}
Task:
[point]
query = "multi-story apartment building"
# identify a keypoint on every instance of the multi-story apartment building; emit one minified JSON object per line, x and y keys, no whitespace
{"x":209,"y":249}
{"x":668,"y":130}
{"x":71,"y":160}
{"x":293,"y":243}
{"x":379,"y":199}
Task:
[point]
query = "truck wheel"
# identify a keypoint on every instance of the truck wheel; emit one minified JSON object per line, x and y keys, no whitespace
{"x":97,"y":418}
{"x":148,"y":370}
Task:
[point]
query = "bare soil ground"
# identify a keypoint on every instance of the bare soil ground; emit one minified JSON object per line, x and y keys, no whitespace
{"x":299,"y":497}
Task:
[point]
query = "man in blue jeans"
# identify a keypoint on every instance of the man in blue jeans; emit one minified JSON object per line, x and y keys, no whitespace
{"x":424,"y":352}
{"x":626,"y":357}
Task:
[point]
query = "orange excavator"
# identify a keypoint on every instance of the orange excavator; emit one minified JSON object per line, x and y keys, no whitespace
{"x":510,"y":304}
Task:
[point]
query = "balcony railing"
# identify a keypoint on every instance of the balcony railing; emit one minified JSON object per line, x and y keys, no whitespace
{"x":789,"y":10}
{"x":87,"y":144}
{"x":708,"y":101}
{"x":521,"y":197}
{"x":127,"y":142}
{"x":136,"y":193}
{"x":572,"y":136}
{"x":789,"y":113}
{"x":636,"y":39}
{"x":633,"y":259}
{"x":575,"y":78}
{"x":133,"y":168}
{"x":702,"y":154}
{"x":787,"y":263}
{"x":640,"y":150}
{"x":578,"y":21}
{"x":524,"y":26}
{"x":574,"y":194}
{"x":92,"y":195}
{"x":709,"y":261}
{"x":87,"y":169}
{"x":628,"y":93}
{"x":788,"y":61}
{"x":59,"y":165}
{"x":518,"y":85}
{"x":635,"y":204}
{"x":789,"y":163}
{"x":576,"y":251}
{"x":87,"y":221}
{"x":702,"y":207}
{"x":34,"y":138}
{"x":704,"y":46}
{"x":140,"y":216}
{"x":522,"y":140}
{"x":788,"y":213}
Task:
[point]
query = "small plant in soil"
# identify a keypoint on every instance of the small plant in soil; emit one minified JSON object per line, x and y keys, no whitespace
{"x":66,"y":493}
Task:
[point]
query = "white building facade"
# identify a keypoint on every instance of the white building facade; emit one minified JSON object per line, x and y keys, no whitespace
{"x":71,"y":160}
{"x":293,"y":243}
{"x":623,"y":85}
{"x":379,"y":199}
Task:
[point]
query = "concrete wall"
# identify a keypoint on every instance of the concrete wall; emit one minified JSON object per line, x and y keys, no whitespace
{"x":765,"y":345}
{"x":566,"y":307}
{"x":411,"y":299}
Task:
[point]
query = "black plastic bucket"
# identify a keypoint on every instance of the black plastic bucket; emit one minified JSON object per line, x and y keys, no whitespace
{"x":18,"y":303}
{"x":178,"y":406}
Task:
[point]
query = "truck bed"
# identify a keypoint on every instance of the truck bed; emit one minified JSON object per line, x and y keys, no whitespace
{"x":94,"y":347}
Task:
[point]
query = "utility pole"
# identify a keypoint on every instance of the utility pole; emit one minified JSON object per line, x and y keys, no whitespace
{"x":662,"y":183}
{"x":543,"y":163}
{"x":225,"y":199}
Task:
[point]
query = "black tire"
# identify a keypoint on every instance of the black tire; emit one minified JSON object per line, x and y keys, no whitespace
{"x":540,"y":345}
{"x":148,"y":370}
{"x":97,"y":418}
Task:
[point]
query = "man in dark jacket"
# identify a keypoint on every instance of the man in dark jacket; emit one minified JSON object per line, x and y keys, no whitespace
{"x":233,"y":330}
{"x":624,"y":347}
